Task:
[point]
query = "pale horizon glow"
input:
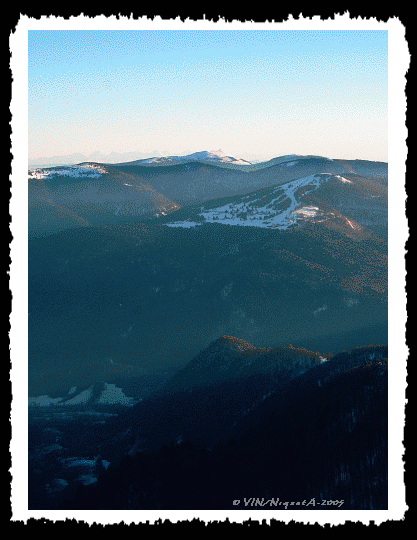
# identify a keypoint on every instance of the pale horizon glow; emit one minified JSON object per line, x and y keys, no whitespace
{"x":253,"y":94}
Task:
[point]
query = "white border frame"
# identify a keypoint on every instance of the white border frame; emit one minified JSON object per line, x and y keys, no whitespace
{"x":398,"y":63}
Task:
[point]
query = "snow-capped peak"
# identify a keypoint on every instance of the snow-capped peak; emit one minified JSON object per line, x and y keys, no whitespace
{"x":214,"y":156}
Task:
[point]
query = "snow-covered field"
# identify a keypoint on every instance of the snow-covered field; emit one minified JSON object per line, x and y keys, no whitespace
{"x":283,"y":208}
{"x":111,"y":395}
{"x":88,"y":170}
{"x":184,"y":224}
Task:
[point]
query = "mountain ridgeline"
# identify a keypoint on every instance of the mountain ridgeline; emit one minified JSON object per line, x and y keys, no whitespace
{"x":97,"y":194}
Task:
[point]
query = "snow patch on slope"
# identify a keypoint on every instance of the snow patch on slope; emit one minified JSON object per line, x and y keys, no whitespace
{"x":343,"y":179}
{"x":281,"y":212}
{"x":81,"y":398}
{"x":87,"y":170}
{"x":113,"y":395}
{"x":280,"y":208}
{"x":307,"y":211}
{"x":43,"y":401}
{"x":185,"y":224}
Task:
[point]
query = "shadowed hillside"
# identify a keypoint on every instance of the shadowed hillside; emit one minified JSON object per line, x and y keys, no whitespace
{"x":296,"y":455}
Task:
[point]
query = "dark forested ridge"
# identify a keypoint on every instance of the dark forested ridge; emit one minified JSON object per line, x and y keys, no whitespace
{"x":151,"y":297}
{"x":319,"y":436}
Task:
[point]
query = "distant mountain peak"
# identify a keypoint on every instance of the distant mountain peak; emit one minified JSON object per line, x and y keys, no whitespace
{"x":219,"y":155}
{"x":204,"y":156}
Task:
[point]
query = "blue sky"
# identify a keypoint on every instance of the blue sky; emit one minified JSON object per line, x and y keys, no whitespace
{"x":250,"y":93}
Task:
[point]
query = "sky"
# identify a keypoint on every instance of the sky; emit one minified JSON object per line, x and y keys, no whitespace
{"x":255,"y":94}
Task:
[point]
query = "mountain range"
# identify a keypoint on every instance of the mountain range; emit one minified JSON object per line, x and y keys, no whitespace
{"x":191,"y":298}
{"x":153,"y":157}
{"x":97,"y":194}
{"x":97,"y":157}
